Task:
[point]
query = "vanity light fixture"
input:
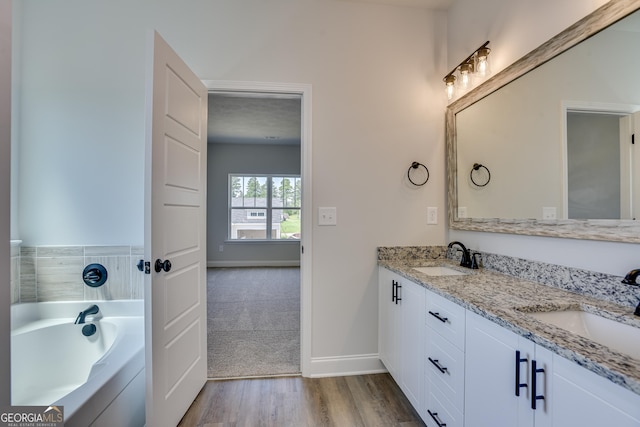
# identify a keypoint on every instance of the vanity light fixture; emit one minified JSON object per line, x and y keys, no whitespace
{"x":476,"y":64}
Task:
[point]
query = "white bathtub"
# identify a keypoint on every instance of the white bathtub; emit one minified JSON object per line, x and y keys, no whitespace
{"x":98,"y":379}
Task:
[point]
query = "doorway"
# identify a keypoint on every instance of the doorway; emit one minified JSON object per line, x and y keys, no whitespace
{"x":227,"y":251}
{"x":601,"y":158}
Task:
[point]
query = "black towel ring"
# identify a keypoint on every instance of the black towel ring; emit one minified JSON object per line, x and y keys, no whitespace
{"x":416,"y":165}
{"x":477,"y":166}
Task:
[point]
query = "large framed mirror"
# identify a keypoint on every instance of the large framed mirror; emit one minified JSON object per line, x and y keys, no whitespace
{"x":540,"y":128}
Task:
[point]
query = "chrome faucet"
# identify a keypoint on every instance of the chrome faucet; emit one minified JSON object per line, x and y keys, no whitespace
{"x":466,"y":260}
{"x":631,"y":279}
{"x":93,"y":309}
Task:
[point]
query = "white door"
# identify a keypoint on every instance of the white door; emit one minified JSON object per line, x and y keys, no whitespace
{"x":175,"y":231}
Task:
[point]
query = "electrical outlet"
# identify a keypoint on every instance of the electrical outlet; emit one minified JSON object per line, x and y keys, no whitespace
{"x":327,"y":216}
{"x":221,"y":248}
{"x":462,"y":211}
{"x":432,"y":215}
{"x":549,"y":213}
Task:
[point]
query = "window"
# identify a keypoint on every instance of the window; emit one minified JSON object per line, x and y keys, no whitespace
{"x":264,"y":207}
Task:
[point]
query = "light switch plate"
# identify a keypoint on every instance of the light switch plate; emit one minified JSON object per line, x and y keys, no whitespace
{"x":327,"y":216}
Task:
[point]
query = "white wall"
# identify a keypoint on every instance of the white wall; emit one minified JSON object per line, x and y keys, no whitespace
{"x":378,"y":105}
{"x":5,"y":178}
{"x":515,"y":28}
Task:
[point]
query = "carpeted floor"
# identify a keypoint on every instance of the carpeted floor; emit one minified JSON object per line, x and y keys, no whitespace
{"x":253,"y":321}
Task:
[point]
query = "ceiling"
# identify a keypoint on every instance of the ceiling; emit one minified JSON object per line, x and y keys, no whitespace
{"x":254,"y":118}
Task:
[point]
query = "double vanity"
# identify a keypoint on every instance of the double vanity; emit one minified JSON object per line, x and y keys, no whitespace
{"x":476,"y":347}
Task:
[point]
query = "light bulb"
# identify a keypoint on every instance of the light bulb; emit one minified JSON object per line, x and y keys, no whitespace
{"x":483,"y":62}
{"x":450,"y":82}
{"x":465,"y":75}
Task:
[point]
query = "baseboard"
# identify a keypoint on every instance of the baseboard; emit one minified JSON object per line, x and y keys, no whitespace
{"x":255,"y":263}
{"x":359,"y":364}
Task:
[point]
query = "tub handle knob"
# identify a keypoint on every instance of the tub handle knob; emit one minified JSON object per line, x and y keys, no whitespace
{"x":94,"y":275}
{"x":162,"y":265}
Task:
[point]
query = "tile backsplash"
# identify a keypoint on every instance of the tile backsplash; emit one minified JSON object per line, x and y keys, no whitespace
{"x":54,"y":273}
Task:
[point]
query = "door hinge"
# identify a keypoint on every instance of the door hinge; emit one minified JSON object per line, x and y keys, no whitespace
{"x":633,"y":138}
{"x":302,"y":249}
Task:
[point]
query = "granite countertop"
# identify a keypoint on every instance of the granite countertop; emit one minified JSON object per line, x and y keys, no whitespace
{"x":505,"y":300}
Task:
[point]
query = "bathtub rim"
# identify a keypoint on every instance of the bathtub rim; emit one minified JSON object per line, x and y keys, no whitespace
{"x":84,"y":404}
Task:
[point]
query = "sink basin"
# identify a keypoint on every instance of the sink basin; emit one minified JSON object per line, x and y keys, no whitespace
{"x":439,"y":271}
{"x":615,"y":335}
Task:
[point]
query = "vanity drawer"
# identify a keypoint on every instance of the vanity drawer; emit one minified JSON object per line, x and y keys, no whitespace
{"x":445,"y":368}
{"x":439,"y":411}
{"x":446,"y":318}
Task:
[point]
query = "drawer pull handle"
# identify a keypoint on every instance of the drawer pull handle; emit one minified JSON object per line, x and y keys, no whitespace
{"x":393,"y":290}
{"x":519,"y":360}
{"x":437,"y":365}
{"x":437,"y":316}
{"x":534,"y":373}
{"x":434,"y":415}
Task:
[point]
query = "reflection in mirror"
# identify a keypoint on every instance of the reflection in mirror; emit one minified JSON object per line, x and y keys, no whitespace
{"x":519,"y":131}
{"x":545,"y":164}
{"x":598,"y":144}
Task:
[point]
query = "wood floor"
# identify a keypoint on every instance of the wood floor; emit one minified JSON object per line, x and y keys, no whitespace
{"x":353,"y":401}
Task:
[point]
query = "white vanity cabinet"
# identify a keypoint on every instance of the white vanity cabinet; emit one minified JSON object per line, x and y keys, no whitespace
{"x":444,"y":362}
{"x":499,"y":362}
{"x":499,"y":379}
{"x":460,"y":369}
{"x":583,"y":398}
{"x":402,"y":333}
{"x":388,"y":321}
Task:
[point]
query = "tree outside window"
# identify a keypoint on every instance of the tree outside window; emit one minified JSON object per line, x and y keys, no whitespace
{"x":264,"y":207}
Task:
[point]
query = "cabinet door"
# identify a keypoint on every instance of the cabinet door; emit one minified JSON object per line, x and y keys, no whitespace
{"x":490,"y":375}
{"x":583,"y":398}
{"x":388,"y":322}
{"x":412,"y":334}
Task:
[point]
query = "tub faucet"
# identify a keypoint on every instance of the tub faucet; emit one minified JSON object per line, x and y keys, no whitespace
{"x":93,"y":309}
{"x":466,"y":255}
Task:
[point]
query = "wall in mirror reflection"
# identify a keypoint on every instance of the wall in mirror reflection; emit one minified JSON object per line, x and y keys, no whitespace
{"x":520,"y":133}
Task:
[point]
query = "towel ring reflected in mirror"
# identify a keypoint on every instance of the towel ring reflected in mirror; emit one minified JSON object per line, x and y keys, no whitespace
{"x":416,"y":166}
{"x":477,"y":168}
